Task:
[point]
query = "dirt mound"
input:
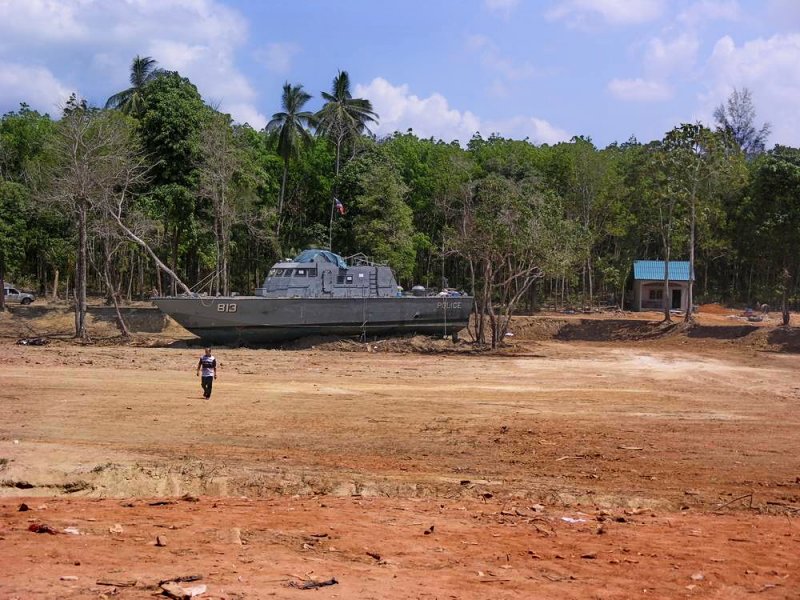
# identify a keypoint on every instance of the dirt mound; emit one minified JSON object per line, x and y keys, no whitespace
{"x":716,"y":309}
{"x":418,"y":344}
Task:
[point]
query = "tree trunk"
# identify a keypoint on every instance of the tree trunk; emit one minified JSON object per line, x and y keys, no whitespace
{"x":785,"y":316}
{"x":114,"y":292}
{"x":690,"y":288}
{"x":81,"y":273}
{"x":55,"y":286}
{"x":175,"y":249}
{"x":591,"y":281}
{"x":2,"y":284}
{"x":667,"y":300}
{"x":282,"y":196}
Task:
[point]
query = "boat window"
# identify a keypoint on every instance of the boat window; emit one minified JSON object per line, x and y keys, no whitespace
{"x":287,"y":272}
{"x":340,"y":279}
{"x":300,"y":273}
{"x":312,"y":272}
{"x":349,"y":279}
{"x":275,"y":273}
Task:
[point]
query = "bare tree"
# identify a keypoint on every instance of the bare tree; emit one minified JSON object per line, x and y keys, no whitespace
{"x":221,"y":161}
{"x":97,"y":164}
{"x":80,"y":146}
{"x":509,"y":233}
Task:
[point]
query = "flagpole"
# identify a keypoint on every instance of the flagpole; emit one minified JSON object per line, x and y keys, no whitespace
{"x":330,"y":226}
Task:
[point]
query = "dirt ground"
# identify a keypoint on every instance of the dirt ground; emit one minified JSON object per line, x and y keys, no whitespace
{"x":598,"y":456}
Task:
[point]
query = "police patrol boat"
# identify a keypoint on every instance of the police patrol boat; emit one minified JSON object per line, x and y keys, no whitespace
{"x":319,"y":293}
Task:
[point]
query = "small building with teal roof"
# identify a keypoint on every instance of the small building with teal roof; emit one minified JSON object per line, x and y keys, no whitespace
{"x":648,"y":284}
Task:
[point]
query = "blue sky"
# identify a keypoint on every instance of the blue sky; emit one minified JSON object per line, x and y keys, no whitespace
{"x":545,"y":70}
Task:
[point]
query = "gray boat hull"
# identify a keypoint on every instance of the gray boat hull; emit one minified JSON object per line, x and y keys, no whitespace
{"x":259,"y":320}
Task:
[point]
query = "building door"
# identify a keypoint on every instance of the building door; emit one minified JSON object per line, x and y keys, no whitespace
{"x":676,"y":299}
{"x":327,"y":282}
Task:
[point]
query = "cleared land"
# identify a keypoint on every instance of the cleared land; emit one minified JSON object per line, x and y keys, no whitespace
{"x":597,"y":458}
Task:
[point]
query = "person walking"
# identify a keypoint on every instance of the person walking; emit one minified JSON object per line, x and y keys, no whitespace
{"x":208,"y":365}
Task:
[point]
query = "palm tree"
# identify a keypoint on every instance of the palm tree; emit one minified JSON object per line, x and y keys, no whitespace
{"x":130,"y":101}
{"x":343,"y":117}
{"x":290,"y":125}
{"x":340,"y":119}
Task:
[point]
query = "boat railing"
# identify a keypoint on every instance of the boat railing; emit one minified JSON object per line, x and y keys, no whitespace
{"x":362,"y":260}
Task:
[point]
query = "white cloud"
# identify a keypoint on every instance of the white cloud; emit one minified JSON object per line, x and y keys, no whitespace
{"x":277,"y":57}
{"x":663,"y":57}
{"x":537,"y":130}
{"x":705,"y":11}
{"x":501,"y":6}
{"x":430,"y":117}
{"x":503,"y":68}
{"x":639,"y":90}
{"x":32,"y":84}
{"x":199,"y":38}
{"x":769,"y":68}
{"x":433,"y":116}
{"x":584,"y":13}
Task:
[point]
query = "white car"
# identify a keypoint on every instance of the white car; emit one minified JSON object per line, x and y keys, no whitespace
{"x":12,"y":294}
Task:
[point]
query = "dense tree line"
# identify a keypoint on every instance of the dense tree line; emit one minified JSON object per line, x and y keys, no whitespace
{"x":159,"y":193}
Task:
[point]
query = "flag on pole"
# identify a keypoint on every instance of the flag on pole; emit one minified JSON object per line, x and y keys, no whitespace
{"x":339,"y":206}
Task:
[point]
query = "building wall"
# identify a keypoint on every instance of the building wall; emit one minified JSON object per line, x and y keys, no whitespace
{"x":642,"y":297}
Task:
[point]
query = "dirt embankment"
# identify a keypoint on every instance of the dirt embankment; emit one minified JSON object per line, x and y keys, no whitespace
{"x":714,"y":327}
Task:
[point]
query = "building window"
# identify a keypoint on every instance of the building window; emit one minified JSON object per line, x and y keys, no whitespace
{"x":656,"y":294}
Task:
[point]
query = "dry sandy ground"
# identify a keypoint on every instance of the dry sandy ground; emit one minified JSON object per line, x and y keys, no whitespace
{"x":664,"y":469}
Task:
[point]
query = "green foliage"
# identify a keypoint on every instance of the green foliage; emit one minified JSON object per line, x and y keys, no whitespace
{"x":24,"y":138}
{"x":172,"y":116}
{"x":383,"y":227}
{"x":13,"y":205}
{"x":494,"y":216}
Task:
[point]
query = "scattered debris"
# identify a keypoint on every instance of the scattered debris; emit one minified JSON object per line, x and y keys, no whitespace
{"x":72,"y":531}
{"x":181,"y":579}
{"x":173,"y":590}
{"x":589,"y":555}
{"x":118,"y":582}
{"x":68,"y":578}
{"x":428,"y":531}
{"x":115,"y":528}
{"x":161,"y":541}
{"x":20,"y":485}
{"x":190,"y":498}
{"x":161,"y":503}
{"x":573,"y":520}
{"x":23,"y":507}
{"x":41,"y":528}
{"x":312,"y":585}
{"x":235,"y":536}
{"x":698,"y":577}
{"x":750,"y":496}
{"x":630,"y":448}
{"x":34,"y":341}
{"x":76,"y":486}
{"x":374,"y":555}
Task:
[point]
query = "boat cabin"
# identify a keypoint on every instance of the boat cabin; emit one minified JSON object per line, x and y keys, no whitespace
{"x":323,"y":274}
